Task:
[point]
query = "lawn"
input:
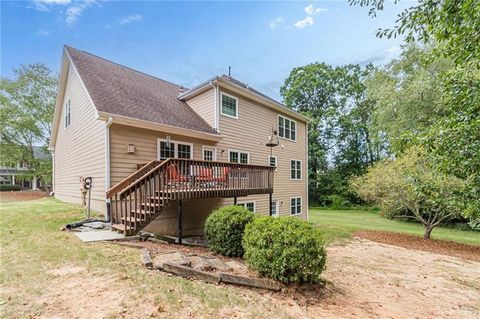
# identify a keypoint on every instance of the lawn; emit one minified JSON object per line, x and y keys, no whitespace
{"x":341,"y":224}
{"x":32,"y":245}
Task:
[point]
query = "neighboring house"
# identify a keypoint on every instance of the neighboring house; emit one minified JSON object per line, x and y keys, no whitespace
{"x":163,"y":157}
{"x":19,"y":173}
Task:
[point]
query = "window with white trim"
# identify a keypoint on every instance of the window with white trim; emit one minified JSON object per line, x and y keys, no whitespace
{"x":174,"y":149}
{"x":67,"y":114}
{"x":287,"y":128}
{"x":208,"y":153}
{"x":275,"y":207}
{"x":238,"y":157}
{"x":295,"y":169}
{"x":229,"y":105}
{"x":272,"y":160}
{"x":249,"y":205}
{"x":295,"y":205}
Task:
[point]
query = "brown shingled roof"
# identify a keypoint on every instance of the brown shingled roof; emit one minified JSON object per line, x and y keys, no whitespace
{"x":119,"y":90}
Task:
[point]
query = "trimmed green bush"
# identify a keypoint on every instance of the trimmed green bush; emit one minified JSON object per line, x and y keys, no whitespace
{"x":5,"y":188}
{"x":286,"y":249}
{"x":224,"y":229}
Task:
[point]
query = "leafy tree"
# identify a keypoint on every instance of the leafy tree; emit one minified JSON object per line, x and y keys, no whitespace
{"x":340,"y":143}
{"x":408,"y":187}
{"x":27,"y":105}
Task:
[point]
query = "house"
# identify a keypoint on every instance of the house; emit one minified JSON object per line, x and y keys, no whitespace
{"x":162,"y":157}
{"x":20,"y":174}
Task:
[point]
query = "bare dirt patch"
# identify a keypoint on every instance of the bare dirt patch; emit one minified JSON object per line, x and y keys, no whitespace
{"x":19,"y":196}
{"x":469,"y":252}
{"x":75,"y":293}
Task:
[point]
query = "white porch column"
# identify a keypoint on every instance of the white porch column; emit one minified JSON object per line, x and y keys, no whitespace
{"x":34,"y":183}
{"x":13,"y":179}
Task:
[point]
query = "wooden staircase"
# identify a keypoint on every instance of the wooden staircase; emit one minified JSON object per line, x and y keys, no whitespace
{"x":143,"y":195}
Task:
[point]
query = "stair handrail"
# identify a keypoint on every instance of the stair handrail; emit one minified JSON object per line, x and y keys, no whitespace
{"x":145,"y":176}
{"x":138,"y":174}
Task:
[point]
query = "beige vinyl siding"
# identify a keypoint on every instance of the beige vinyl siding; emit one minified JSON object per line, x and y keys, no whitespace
{"x":80,"y":148}
{"x":145,"y":141}
{"x":204,"y":105}
{"x":250,"y":133}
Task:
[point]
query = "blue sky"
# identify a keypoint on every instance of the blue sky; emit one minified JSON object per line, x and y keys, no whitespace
{"x":189,"y":42}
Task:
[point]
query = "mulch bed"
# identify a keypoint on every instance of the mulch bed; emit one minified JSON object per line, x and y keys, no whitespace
{"x":16,"y":196}
{"x":465,"y":251}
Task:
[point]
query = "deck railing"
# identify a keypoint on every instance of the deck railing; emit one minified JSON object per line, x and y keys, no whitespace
{"x":138,"y":198}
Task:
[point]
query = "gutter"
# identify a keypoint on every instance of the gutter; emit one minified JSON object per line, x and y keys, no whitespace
{"x":215,"y":106}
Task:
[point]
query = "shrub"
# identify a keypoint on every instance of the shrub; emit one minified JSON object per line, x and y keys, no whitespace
{"x":286,"y":249}
{"x":224,"y":229}
{"x":5,"y":188}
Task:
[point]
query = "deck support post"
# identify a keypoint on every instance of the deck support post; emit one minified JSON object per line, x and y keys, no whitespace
{"x":270,"y":201}
{"x":235,"y":200}
{"x":180,"y":221}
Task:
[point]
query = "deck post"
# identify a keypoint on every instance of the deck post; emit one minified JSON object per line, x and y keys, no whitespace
{"x":270,"y":201}
{"x":235,"y":200}
{"x":180,"y":221}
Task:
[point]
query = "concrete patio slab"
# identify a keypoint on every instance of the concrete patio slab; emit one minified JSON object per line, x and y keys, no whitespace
{"x":100,"y":235}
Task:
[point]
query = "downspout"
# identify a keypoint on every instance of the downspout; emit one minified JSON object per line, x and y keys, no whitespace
{"x":307,"y":174}
{"x":52,"y":192}
{"x":107,"y":165}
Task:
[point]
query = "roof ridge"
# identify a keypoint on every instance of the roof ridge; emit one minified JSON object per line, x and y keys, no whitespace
{"x":124,"y":66}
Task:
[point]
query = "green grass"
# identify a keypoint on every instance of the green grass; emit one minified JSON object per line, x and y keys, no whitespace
{"x":32,"y":243}
{"x":340,"y":224}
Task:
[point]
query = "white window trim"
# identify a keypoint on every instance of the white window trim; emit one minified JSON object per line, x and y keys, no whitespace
{"x":276,"y":160}
{"x":175,"y":151}
{"x":290,"y":206}
{"x":276,"y":213}
{"x":65,"y":125}
{"x":210,"y":148}
{"x":238,"y":151}
{"x":296,"y":128}
{"x":290,"y":170}
{"x":244,"y":204}
{"x":221,"y":105}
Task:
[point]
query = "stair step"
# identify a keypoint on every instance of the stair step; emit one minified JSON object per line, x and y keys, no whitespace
{"x":121,"y":227}
{"x":151,"y":204}
{"x":142,"y":212}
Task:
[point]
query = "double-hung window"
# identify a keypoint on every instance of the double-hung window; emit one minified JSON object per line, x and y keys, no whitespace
{"x":295,"y":169}
{"x":208,"y":153}
{"x":238,"y":157}
{"x":275,"y":208}
{"x":295,"y":205}
{"x":229,"y":105}
{"x":250,"y":206}
{"x":67,"y":114}
{"x":272,"y":160}
{"x":287,"y":128}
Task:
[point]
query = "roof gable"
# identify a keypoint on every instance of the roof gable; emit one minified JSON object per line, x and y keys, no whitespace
{"x":119,"y":90}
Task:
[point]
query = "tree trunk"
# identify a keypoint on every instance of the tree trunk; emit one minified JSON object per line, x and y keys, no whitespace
{"x":428,"y":231}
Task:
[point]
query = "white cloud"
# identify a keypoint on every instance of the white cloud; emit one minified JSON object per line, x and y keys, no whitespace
{"x":276,"y":22}
{"x":311,"y":10}
{"x":42,"y":33}
{"x":393,"y":49}
{"x":42,"y":5}
{"x":131,"y":18}
{"x":76,"y":10}
{"x":303,"y":23}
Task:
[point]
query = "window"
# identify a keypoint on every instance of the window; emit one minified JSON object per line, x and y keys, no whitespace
{"x":275,"y":207}
{"x":167,"y":151}
{"x":67,"y":115}
{"x":174,"y":149}
{"x":229,"y":105}
{"x":238,"y":157}
{"x":295,"y":205}
{"x":295,"y":169}
{"x":184,"y":151}
{"x":272,"y":160}
{"x":208,"y":153}
{"x":287,"y":128}
{"x":249,"y":205}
